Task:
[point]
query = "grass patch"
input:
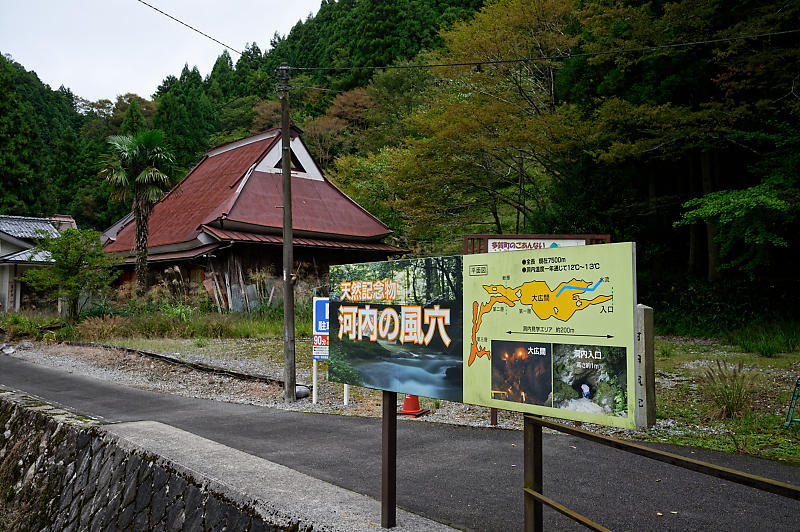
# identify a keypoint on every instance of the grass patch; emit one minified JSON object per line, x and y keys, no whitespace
{"x":767,"y":340}
{"x":198,"y":325}
{"x":664,"y":349}
{"x":691,"y":404}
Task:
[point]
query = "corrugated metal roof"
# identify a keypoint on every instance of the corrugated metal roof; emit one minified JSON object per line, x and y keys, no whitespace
{"x":241,"y":236}
{"x":210,"y":191}
{"x":317,"y":207}
{"x":177,"y":255}
{"x":27,"y":227}
{"x":195,"y":200}
{"x":24,"y":257}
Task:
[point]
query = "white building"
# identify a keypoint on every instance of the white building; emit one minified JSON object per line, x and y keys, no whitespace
{"x":18,"y":235}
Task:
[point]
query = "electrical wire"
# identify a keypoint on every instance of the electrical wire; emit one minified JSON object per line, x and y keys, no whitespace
{"x":190,"y":27}
{"x":492,"y":61}
{"x":555,"y":57}
{"x":312,"y":88}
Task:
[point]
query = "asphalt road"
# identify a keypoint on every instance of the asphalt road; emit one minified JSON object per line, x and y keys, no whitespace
{"x":470,"y":478}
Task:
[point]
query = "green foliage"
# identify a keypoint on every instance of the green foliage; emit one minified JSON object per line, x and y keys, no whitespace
{"x":136,"y":168}
{"x":364,"y":179}
{"x":186,"y":115}
{"x":134,"y":119}
{"x":766,"y":338}
{"x":364,"y":33}
{"x":340,"y":370}
{"x":729,"y":388}
{"x":79,"y":267}
{"x":34,"y":326}
{"x":174,"y":321}
{"x":756,"y":220}
{"x":200,"y":342}
{"x":664,"y":349}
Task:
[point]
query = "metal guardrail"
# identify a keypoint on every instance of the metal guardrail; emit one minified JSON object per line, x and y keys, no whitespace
{"x":790,"y":419}
{"x":533,"y":471}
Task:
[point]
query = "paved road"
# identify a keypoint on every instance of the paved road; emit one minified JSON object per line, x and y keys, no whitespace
{"x":467,"y":477}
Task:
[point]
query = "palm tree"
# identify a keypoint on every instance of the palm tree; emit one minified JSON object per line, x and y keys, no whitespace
{"x":134,"y":168}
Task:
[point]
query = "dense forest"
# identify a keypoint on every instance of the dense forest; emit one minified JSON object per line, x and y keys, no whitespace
{"x":691,"y":151}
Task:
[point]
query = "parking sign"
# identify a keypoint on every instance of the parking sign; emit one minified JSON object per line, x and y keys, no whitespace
{"x":321,"y":320}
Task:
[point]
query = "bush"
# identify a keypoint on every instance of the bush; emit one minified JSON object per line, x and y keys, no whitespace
{"x":729,"y":388}
{"x":184,"y":321}
{"x":35,"y":326}
{"x":99,"y":328}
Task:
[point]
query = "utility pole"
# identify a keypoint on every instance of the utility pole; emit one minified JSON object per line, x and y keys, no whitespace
{"x":289,"y":379}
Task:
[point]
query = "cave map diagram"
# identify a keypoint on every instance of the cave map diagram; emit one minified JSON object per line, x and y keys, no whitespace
{"x":560,"y":302}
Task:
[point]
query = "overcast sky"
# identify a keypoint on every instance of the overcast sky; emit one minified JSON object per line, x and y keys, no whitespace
{"x":103,"y":48}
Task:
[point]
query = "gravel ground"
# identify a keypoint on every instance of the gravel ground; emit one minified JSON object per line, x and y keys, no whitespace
{"x":259,"y":357}
{"x":139,"y":371}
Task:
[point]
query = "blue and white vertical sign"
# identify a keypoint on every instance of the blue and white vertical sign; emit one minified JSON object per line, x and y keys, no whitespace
{"x":321,"y":321}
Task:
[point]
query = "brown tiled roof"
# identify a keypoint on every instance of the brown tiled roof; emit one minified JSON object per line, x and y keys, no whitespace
{"x":213,"y":193}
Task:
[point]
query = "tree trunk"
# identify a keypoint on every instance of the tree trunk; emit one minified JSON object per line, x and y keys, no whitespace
{"x":141,"y":214}
{"x":706,"y":165}
{"x":428,"y":281}
{"x":495,"y":214}
{"x":695,"y":240}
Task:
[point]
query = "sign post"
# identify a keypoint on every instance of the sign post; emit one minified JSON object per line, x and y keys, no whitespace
{"x":499,"y":243}
{"x":321,"y":320}
{"x":546,"y":332}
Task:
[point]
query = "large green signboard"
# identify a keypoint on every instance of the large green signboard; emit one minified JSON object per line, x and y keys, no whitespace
{"x":549,"y":332}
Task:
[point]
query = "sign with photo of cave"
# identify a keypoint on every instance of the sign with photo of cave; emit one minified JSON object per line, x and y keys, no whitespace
{"x":548,"y":332}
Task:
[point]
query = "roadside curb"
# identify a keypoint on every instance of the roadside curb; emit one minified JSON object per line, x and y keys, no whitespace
{"x":193,"y":365}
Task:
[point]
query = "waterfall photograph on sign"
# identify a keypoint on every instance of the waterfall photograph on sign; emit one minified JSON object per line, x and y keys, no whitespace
{"x":397,"y":326}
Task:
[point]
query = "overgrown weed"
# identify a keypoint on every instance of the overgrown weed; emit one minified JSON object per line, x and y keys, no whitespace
{"x":728,"y":388}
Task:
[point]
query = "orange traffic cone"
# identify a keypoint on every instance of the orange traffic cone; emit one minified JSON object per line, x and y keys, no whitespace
{"x":411,"y":407}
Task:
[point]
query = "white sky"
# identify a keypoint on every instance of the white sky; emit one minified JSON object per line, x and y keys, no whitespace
{"x":104,"y":48}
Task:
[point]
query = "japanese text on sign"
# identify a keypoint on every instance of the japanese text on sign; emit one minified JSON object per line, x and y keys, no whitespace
{"x":382,"y":290}
{"x":359,"y":323}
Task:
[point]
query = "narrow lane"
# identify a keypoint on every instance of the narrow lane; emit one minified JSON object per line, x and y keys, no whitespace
{"x":470,"y":478}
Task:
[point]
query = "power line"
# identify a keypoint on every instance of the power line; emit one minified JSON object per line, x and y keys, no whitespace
{"x":556,"y":57}
{"x":190,"y":27}
{"x":312,"y":88}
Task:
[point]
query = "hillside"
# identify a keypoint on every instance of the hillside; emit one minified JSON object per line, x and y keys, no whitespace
{"x":554,"y":117}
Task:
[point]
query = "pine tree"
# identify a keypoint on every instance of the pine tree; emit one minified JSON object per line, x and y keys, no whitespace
{"x":134,"y":119}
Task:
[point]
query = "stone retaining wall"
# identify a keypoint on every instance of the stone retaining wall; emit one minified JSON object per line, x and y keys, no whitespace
{"x":59,"y":471}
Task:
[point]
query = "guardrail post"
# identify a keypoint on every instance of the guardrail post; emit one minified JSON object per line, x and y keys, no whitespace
{"x":389,"y":461}
{"x":644,"y":364}
{"x":534,"y":521}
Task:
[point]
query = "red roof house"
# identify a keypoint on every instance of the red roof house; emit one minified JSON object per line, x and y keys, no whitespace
{"x":225,"y":217}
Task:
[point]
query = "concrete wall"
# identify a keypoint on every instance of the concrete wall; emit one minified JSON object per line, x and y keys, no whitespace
{"x":62,"y":472}
{"x":4,"y":287}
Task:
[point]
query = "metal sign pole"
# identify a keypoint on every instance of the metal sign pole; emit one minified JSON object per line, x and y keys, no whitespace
{"x":389,"y":461}
{"x":314,"y":383}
